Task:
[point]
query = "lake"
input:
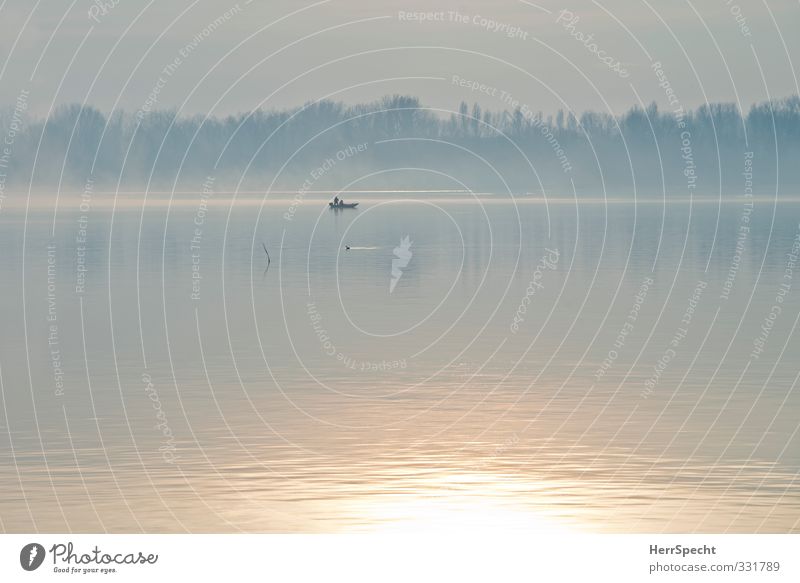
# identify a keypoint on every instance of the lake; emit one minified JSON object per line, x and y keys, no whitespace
{"x":470,"y":361}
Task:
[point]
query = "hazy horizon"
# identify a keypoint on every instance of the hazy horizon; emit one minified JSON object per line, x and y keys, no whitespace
{"x":399,"y":143}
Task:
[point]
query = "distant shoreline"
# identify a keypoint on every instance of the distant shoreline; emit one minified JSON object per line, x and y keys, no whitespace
{"x":127,"y":199}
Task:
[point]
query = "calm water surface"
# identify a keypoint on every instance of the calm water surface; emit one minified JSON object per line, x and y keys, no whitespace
{"x":562,"y":366}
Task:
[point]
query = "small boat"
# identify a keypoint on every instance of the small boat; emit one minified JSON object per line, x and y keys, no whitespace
{"x":348,"y":205}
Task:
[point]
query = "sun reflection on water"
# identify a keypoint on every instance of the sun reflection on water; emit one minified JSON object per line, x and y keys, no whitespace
{"x":464,"y":502}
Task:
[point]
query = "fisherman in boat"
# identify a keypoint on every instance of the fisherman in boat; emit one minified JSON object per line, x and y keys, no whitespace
{"x":336,"y":201}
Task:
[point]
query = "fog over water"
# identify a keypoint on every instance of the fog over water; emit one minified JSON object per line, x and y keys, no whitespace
{"x":560,"y":295}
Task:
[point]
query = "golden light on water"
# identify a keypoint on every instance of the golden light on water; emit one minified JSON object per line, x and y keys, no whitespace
{"x":459,"y":503}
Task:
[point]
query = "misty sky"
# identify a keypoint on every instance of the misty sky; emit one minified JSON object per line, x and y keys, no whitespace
{"x":282,"y":53}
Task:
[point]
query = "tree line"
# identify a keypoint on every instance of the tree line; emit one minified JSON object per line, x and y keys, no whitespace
{"x":411,"y":146}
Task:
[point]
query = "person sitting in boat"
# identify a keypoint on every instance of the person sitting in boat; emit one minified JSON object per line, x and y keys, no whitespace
{"x":341,"y":202}
{"x":336,"y":201}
